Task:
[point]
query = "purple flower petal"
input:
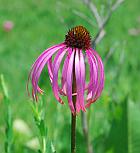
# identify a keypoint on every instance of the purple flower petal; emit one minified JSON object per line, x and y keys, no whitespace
{"x":82,"y":75}
{"x":93,"y":84}
{"x":82,"y":68}
{"x":79,"y":85}
{"x":49,"y":65}
{"x":39,"y":65}
{"x":56,"y":65}
{"x":64,"y":70}
{"x":50,"y":71}
{"x":101,"y":70}
{"x":69,"y":82}
{"x":96,"y":93}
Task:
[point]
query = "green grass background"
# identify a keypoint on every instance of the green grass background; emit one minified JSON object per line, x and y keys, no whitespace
{"x":39,"y":24}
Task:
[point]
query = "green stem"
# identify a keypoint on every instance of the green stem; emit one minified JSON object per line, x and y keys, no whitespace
{"x":8,"y":117}
{"x":8,"y":130}
{"x":43,"y":144}
{"x":38,"y":112}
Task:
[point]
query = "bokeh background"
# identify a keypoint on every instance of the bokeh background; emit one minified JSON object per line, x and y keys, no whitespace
{"x":114,"y":120}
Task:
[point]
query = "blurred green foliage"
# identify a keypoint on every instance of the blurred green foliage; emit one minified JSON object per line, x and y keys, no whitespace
{"x":114,"y":119}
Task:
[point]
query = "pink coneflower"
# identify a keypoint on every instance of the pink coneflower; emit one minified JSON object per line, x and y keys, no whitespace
{"x":8,"y":25}
{"x":74,"y":52}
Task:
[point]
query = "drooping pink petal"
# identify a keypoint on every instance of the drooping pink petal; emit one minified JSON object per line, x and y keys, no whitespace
{"x":42,"y":62}
{"x":56,"y":65}
{"x":50,"y":71}
{"x":82,"y":76}
{"x":64,"y":70}
{"x":100,"y":84}
{"x":78,"y":107}
{"x":69,"y":82}
{"x":40,"y":57}
{"x":89,"y":96}
{"x":34,"y":66}
{"x":39,"y":65}
{"x":93,"y":66}
{"x":82,"y":69}
{"x":101,"y":70}
{"x":92,"y":91}
{"x":47,"y":50}
{"x":94,"y":77}
{"x":79,"y":85}
{"x":49,"y":65}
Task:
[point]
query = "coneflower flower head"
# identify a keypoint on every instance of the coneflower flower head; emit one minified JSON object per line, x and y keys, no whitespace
{"x":78,"y":37}
{"x":74,"y":51}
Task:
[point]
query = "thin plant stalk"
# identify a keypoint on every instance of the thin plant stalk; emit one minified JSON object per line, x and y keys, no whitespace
{"x":8,"y":118}
{"x":73,"y":116}
{"x":86,"y":132}
{"x":43,"y":144}
{"x":8,"y":130}
{"x":38,"y":112}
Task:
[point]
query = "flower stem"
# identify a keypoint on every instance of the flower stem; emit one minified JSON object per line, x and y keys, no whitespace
{"x":73,"y":133}
{"x":73,"y":116}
